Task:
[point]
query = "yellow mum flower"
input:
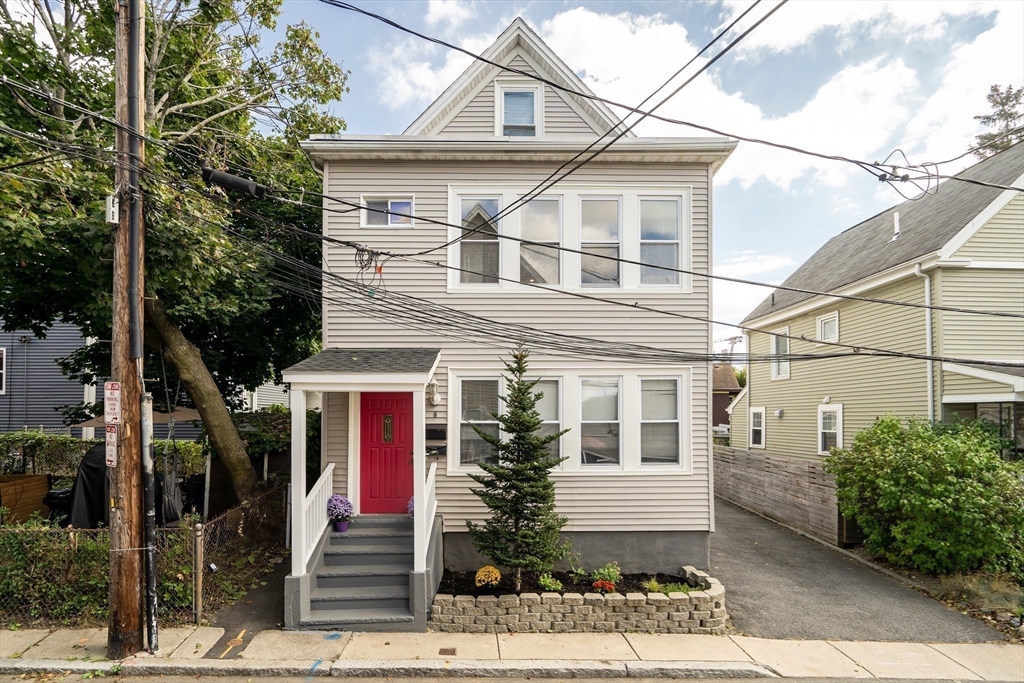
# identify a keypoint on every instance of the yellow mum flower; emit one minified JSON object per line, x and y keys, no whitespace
{"x":488,"y":576}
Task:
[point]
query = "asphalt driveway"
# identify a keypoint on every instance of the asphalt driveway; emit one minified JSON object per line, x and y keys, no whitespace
{"x":779,"y":584}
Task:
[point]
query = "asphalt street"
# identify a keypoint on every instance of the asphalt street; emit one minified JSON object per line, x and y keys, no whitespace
{"x":780,"y":584}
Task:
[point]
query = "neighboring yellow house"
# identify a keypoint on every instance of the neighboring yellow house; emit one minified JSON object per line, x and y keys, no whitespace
{"x":962,"y":247}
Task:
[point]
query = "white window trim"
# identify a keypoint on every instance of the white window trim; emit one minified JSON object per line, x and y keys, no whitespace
{"x":500,"y":88}
{"x":838,"y":408}
{"x":570,"y":413}
{"x":776,"y":370}
{"x":750,"y":428}
{"x":363,"y":199}
{"x":558,"y":406}
{"x":619,"y":421}
{"x":570,"y":194}
{"x":455,"y":210}
{"x":834,"y":315}
{"x":3,"y":371}
{"x":620,"y":200}
{"x":561,"y":243}
{"x":680,"y":397}
{"x":682,"y":243}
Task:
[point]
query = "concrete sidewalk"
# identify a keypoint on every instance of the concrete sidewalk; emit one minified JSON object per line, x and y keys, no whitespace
{"x":188,"y":651}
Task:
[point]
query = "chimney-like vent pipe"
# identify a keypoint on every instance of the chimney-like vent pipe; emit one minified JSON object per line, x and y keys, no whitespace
{"x":895,"y":226}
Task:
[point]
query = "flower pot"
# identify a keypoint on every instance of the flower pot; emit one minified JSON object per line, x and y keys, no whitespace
{"x":341,"y":526}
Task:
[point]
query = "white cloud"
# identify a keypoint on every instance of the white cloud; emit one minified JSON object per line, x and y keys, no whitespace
{"x":733,"y":300}
{"x":451,"y":13}
{"x":797,"y":23}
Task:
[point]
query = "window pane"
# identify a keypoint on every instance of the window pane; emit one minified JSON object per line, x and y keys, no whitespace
{"x":828,"y":421}
{"x":539,"y":220}
{"x":478,"y":211}
{"x":520,"y":131}
{"x":538,"y":264}
{"x":828,"y":440}
{"x":781,"y":345}
{"x":600,"y":399}
{"x":755,"y":437}
{"x":403,"y":208}
{"x":600,"y":220}
{"x":479,"y":399}
{"x":599,"y":443}
{"x":519,"y":109}
{"x":375,"y":213}
{"x":756,"y":420}
{"x":547,"y":406}
{"x":828,"y":329}
{"x":473,"y":449}
{"x":659,"y":219}
{"x":658,"y":399}
{"x":659,"y":443}
{"x":554,"y":446}
{"x":480,"y":259}
{"x":595,"y":270}
{"x":659,"y":255}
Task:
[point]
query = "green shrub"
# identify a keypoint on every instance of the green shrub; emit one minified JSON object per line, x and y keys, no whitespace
{"x":39,"y":453}
{"x":548,"y":582}
{"x":609,"y":572}
{"x":675,"y":588}
{"x":932,"y":498}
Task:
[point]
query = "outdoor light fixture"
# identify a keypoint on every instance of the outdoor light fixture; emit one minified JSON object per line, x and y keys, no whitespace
{"x":827,"y":399}
{"x":780,"y":412}
{"x":432,"y":394}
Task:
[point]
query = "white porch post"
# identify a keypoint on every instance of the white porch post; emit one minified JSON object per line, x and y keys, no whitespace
{"x":298,"y":408}
{"x":421,"y":525}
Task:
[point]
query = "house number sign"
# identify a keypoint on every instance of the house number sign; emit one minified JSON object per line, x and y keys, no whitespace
{"x":388,"y":431}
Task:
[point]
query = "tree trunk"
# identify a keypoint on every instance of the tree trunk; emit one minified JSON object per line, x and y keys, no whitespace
{"x":188,"y":364}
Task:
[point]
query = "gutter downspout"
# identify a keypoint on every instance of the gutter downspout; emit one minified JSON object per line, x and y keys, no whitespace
{"x":928,"y":339}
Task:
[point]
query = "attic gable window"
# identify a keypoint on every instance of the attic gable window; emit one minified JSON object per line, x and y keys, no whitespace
{"x":517,"y":110}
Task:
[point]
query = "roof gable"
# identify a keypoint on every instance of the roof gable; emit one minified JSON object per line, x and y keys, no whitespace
{"x":927,"y":224}
{"x":519,"y":44}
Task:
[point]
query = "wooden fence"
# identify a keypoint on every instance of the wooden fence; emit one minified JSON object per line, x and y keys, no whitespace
{"x":792,"y":490}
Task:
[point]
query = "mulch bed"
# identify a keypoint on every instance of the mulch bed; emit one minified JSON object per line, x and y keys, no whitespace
{"x":463,"y":583}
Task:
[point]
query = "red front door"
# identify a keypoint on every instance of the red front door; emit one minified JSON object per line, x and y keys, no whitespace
{"x":385,"y":455}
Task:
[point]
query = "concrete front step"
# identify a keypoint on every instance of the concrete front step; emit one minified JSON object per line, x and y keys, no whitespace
{"x":360,"y":598}
{"x":372,"y":536}
{"x":397,"y":556}
{"x":395,"y":521}
{"x":388,"y":619}
{"x":367,"y":575}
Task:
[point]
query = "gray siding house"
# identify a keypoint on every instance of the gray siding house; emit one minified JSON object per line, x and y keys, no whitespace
{"x":32,"y":386}
{"x":961,"y":247}
{"x":400,"y":399}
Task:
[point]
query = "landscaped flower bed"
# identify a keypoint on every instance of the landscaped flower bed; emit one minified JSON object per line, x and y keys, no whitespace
{"x":701,"y":610}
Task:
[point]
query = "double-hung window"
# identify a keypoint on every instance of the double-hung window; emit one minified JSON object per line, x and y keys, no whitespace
{"x":660,"y":228}
{"x":830,"y":427}
{"x":828,"y":327}
{"x":548,"y":407}
{"x":600,"y":228}
{"x":479,"y":248}
{"x":600,"y":433}
{"x":381,"y":212}
{"x":540,"y":221}
{"x":780,"y":353}
{"x":478,"y":406}
{"x":659,"y":422}
{"x":519,"y":113}
{"x":757,"y":427}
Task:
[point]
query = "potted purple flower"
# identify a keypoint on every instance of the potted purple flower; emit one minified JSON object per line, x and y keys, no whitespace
{"x":411,"y":507}
{"x":340,"y":511}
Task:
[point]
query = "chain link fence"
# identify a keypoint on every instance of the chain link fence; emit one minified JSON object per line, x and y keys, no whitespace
{"x":59,"y":577}
{"x":36,"y":452}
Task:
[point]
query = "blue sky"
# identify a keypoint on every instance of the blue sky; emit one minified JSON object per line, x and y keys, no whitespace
{"x":852,"y":78}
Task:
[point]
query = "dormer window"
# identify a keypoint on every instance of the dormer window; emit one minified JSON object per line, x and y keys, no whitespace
{"x":517,"y":111}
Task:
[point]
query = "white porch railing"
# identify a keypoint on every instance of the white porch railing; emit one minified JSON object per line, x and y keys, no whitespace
{"x":314,"y":516}
{"x":423,"y":521}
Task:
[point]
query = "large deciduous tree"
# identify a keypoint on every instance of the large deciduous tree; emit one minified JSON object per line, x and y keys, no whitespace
{"x":214,"y":317}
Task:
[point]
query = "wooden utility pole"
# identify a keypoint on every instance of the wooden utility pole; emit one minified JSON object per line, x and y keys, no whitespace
{"x":125,"y":634}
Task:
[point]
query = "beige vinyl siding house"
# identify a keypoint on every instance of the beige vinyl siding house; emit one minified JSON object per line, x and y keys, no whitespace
{"x":636,"y":484}
{"x":963,"y":248}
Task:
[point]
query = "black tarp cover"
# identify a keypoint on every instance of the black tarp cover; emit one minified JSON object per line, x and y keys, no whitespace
{"x":91,"y":491}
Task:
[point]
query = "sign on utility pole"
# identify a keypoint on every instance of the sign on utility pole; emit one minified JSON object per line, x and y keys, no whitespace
{"x":111,"y":446}
{"x":112,"y":403}
{"x":125,"y":625}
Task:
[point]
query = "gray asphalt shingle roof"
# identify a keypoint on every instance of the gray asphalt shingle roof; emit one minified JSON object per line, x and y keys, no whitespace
{"x":926,"y":224}
{"x":368,"y":361}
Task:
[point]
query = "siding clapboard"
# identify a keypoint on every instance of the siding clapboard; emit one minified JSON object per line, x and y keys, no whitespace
{"x":642,"y":501}
{"x":954,"y":383}
{"x":867,"y":387}
{"x":1001,"y":238}
{"x":334,"y":438}
{"x":966,"y":335}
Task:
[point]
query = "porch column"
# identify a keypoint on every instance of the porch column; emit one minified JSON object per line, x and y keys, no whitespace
{"x":421,"y":525}
{"x":298,"y":409}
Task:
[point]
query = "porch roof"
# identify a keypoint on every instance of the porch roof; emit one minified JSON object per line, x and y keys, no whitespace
{"x":369,"y":367}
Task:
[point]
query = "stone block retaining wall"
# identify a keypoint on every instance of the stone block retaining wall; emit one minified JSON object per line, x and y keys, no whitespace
{"x":699,"y":611}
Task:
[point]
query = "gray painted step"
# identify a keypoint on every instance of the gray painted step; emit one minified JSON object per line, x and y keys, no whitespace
{"x":381,"y":520}
{"x":396,"y":556}
{"x":389,"y":619}
{"x":361,"y":598}
{"x":366,"y":575}
{"x":372,"y":536}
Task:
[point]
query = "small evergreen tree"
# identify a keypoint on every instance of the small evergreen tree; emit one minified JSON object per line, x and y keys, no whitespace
{"x":1006,"y":119}
{"x":522,"y":531}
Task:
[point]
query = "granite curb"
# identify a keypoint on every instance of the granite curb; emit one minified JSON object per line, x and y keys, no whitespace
{"x":373,"y":668}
